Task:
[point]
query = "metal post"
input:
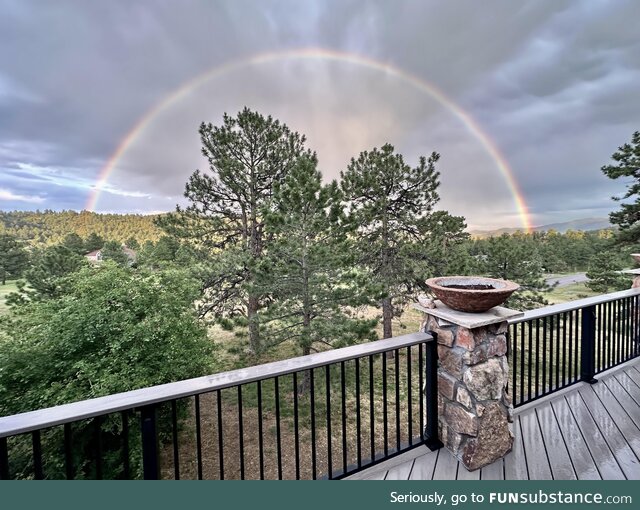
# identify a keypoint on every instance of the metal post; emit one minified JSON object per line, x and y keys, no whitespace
{"x":4,"y":459}
{"x":432,"y":440}
{"x":150,"y":461}
{"x":588,"y":345}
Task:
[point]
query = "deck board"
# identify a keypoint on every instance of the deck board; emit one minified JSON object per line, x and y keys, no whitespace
{"x":590,"y":432}
{"x":578,"y":450}
{"x":537,"y":460}
{"x":493,"y":471}
{"x":515,"y":463}
{"x":615,"y":439}
{"x":559,"y":460}
{"x":423,"y":466}
{"x":447,"y":466}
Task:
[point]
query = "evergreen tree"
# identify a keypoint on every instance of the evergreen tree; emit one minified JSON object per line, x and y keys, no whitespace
{"x":628,"y":165}
{"x":93,"y":242}
{"x":113,"y":251}
{"x":246,"y":155}
{"x":44,"y":276}
{"x":75,"y":243}
{"x":515,"y":258}
{"x":311,"y":271}
{"x":604,"y":273}
{"x":400,"y":238}
{"x":13,"y":258}
{"x":132,"y":243}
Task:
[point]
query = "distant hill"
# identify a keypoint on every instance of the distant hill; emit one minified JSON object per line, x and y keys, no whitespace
{"x":579,"y":224}
{"x":43,"y":228}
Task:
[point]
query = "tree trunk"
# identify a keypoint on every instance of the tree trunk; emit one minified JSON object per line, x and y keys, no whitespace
{"x":304,"y":382}
{"x":254,"y":331}
{"x":387,"y":317}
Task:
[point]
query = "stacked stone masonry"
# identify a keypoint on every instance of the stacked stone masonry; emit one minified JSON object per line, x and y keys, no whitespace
{"x":474,"y":408}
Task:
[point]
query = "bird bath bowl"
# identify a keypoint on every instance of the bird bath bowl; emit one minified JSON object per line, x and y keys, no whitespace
{"x":473,"y":294}
{"x":636,"y":257}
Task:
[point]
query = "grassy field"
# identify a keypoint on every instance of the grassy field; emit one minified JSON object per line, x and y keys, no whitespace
{"x":570,"y":293}
{"x":4,"y":291}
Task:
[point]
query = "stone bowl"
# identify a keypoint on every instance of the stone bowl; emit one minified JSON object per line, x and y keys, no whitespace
{"x":473,"y":294}
{"x":636,"y":257}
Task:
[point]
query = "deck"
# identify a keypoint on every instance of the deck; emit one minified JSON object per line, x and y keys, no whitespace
{"x":587,"y":432}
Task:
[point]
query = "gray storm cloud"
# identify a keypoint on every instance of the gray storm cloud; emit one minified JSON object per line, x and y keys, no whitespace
{"x":552,"y":83}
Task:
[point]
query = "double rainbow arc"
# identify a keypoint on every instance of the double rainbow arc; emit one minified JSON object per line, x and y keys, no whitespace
{"x":318,"y":54}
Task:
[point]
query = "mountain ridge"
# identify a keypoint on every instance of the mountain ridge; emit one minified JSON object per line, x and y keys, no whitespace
{"x":584,"y":224}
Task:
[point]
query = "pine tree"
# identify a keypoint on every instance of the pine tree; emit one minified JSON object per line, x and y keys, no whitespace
{"x":75,"y":243}
{"x":516,"y":258}
{"x":400,"y":238}
{"x":628,"y":165}
{"x":246,"y":155}
{"x":93,"y":242}
{"x":13,"y":258}
{"x":604,"y":273}
{"x":310,"y":270}
{"x":113,"y":251}
{"x":132,"y":243}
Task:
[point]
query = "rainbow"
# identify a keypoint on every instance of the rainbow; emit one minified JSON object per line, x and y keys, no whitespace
{"x":320,"y":54}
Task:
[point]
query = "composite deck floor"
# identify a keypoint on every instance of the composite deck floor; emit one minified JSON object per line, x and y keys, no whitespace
{"x":588,"y":432}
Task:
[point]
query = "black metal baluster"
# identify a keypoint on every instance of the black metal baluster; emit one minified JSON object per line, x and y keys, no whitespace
{"x":576,"y":361}
{"x":609,"y":339}
{"x":4,"y":459}
{"x":557,"y":354}
{"x":220,"y":435}
{"x":260,"y":434}
{"x":148,"y":430}
{"x":385,"y":424}
{"x":570,"y":371}
{"x":421,"y":389}
{"x":37,"y":455}
{"x":522,"y":356}
{"x":343,"y":400}
{"x":276,"y":389}
{"x":196,"y":400}
{"x":296,"y":424}
{"x":371,"y":411}
{"x":68,"y":450}
{"x":587,"y":344}
{"x":544,"y":355}
{"x":512,"y":343}
{"x":397,"y":383}
{"x":564,"y":349}
{"x":240,"y":432}
{"x":174,"y":434}
{"x":126,"y":463}
{"x":97,"y":425}
{"x":314,"y":469}
{"x":358,"y":417}
{"x":537,"y":351}
{"x":327,"y":381}
{"x":531,"y":353}
{"x":409,"y":402}
{"x":552,"y":348}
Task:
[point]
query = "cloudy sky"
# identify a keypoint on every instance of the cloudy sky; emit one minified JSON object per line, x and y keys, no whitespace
{"x":553,"y":86}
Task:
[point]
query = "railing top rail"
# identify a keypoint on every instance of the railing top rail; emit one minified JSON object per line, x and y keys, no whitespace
{"x":573,"y":305}
{"x":43,"y":418}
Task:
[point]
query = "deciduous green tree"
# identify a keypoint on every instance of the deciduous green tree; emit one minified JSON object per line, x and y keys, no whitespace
{"x":401,"y":240}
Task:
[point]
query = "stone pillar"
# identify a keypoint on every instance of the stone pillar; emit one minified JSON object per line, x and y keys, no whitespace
{"x":474,"y":407}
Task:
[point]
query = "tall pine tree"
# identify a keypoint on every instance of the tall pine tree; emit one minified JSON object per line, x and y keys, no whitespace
{"x":627,"y":165}
{"x":310,"y":270}
{"x":13,"y":258}
{"x":247,"y":155}
{"x":401,"y":239}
